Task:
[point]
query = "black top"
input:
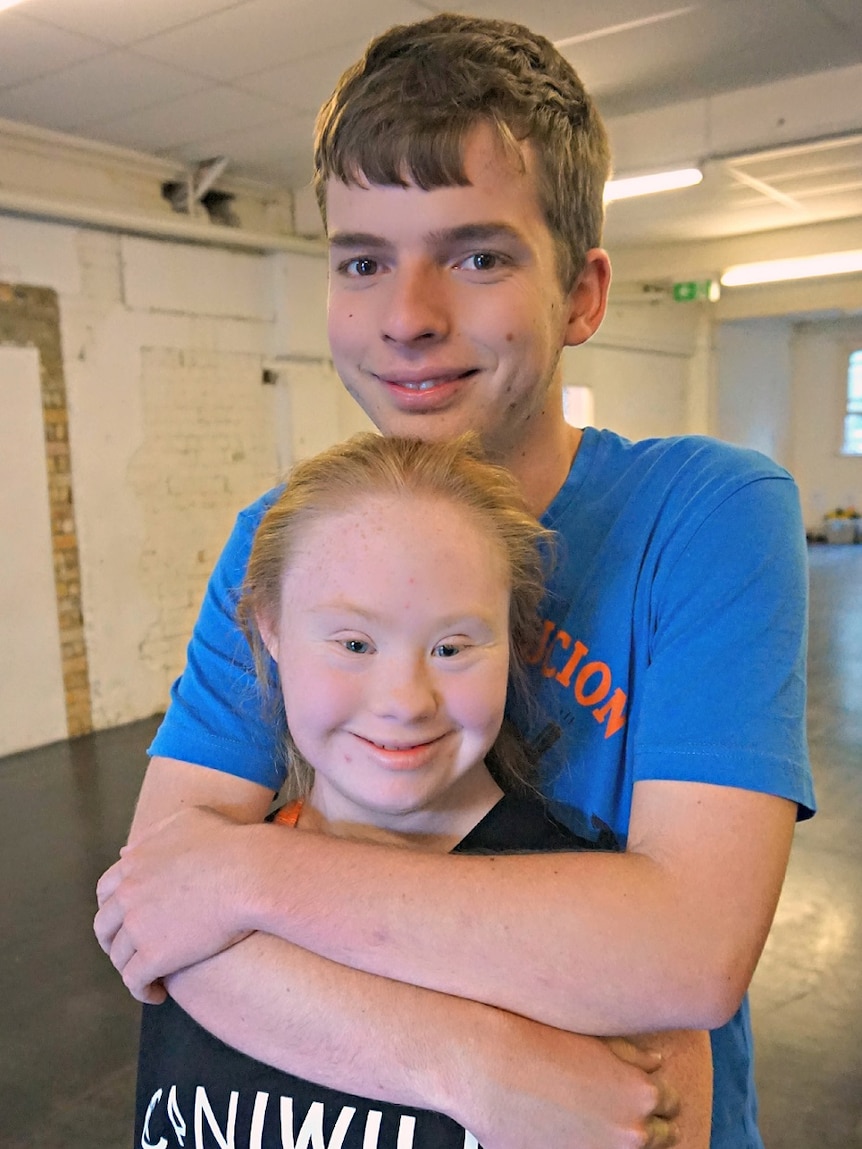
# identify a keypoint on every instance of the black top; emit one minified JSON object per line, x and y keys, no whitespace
{"x":195,"y":1092}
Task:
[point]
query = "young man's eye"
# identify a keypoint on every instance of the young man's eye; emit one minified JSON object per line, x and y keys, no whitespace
{"x":361,"y":267}
{"x":482,"y":261}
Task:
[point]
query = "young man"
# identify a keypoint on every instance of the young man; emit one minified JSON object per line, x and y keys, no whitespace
{"x":460,"y":168}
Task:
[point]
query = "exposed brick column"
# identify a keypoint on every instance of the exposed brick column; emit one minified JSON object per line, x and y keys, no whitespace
{"x":30,"y":317}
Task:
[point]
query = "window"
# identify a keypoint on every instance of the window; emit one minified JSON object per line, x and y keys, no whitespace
{"x":579,"y":407}
{"x":853,"y":412}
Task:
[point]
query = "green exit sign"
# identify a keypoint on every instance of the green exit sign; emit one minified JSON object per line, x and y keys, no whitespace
{"x":696,"y":289}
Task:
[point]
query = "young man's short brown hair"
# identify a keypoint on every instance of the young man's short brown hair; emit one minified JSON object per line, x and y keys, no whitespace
{"x":402,"y":113}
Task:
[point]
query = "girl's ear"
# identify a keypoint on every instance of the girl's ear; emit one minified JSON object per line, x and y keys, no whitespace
{"x":269,"y":633}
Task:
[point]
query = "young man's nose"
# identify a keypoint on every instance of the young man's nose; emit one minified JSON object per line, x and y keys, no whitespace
{"x":416,"y":309}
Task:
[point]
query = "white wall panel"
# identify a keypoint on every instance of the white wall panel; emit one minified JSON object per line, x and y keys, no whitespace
{"x":192,"y":280}
{"x":38,"y":254}
{"x":753,"y":395}
{"x":640,"y":394}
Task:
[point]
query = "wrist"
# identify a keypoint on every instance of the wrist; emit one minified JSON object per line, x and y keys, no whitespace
{"x":266,"y":876}
{"x":464,"y":1079}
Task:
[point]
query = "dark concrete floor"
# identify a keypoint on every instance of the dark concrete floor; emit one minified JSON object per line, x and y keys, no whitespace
{"x":807,"y":992}
{"x":68,"y":1030}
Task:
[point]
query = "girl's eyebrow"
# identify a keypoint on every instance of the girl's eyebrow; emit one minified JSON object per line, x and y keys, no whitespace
{"x":341,"y":606}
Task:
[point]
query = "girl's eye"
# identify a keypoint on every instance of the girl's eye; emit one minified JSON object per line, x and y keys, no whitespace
{"x":447,"y":650}
{"x":356,"y":645}
{"x":361,"y":267}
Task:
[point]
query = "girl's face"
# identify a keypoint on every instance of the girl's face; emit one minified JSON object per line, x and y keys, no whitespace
{"x":393,"y":652}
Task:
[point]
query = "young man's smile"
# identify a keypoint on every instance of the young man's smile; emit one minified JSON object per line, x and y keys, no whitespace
{"x":424,"y":392}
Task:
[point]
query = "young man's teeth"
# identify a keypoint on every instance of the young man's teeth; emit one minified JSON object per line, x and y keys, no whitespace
{"x":425,"y":385}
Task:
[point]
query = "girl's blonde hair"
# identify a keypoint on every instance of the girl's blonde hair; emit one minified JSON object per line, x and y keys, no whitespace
{"x":366,"y":465}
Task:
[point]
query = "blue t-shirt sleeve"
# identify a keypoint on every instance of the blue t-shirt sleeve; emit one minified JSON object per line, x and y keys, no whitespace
{"x":724,"y":695}
{"x":217,"y":716}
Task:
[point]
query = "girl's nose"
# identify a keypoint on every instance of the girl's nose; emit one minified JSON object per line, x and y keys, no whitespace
{"x":405,"y":691}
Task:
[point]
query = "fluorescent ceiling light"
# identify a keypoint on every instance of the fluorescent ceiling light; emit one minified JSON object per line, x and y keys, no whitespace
{"x":628,"y":26}
{"x":4,"y":4}
{"x":651,"y":184}
{"x":806,"y":267}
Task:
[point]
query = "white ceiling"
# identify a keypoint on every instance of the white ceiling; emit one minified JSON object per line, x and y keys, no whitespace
{"x":191,"y":79}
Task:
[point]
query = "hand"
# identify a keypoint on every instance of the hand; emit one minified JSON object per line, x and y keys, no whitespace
{"x":543,"y":1086}
{"x":171,"y":900}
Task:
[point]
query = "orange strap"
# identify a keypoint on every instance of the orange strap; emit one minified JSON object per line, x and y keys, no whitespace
{"x":288,"y":815}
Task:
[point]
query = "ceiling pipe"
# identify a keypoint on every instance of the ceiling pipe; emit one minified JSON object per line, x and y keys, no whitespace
{"x":154,"y":227}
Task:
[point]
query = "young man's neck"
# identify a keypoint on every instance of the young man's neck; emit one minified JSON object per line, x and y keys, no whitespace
{"x":541,"y":467}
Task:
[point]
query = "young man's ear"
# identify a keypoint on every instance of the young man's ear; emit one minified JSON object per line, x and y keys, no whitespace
{"x":588,"y":299}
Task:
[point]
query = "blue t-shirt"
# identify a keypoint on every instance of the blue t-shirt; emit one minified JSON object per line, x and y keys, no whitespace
{"x":674,"y":648}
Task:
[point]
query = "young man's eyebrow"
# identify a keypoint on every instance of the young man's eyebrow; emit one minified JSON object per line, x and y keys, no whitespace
{"x":357,"y":239}
{"x":476,"y":233}
{"x":463,"y":233}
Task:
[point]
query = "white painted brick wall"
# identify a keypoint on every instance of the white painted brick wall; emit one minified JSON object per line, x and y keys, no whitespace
{"x":100,"y":265}
{"x":172,"y":432}
{"x":164,"y":276}
{"x":209,"y":448}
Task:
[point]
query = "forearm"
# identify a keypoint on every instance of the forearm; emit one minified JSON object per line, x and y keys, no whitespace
{"x":327,"y":1023}
{"x":170,"y":786}
{"x":665,"y":936}
{"x":613,"y":943}
{"x":506,"y":1079}
{"x":584,"y":974}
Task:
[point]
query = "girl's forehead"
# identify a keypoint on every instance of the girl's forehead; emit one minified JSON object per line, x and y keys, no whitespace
{"x":427,"y":526}
{"x":393,"y":512}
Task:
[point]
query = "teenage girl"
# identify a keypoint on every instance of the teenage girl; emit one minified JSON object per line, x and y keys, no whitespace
{"x":390,"y":603}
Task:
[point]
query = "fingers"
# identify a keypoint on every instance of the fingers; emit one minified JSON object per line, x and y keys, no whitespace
{"x":118,"y":945}
{"x":137,"y":981}
{"x":661,"y":1134}
{"x":107,"y":923}
{"x":108,"y":883}
{"x":108,"y":926}
{"x":154,"y":994}
{"x":661,"y":1128}
{"x":122,"y":951}
{"x":647,"y":1060}
{"x":667,"y":1105}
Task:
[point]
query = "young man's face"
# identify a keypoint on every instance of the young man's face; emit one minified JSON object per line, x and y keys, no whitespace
{"x":446,"y":312}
